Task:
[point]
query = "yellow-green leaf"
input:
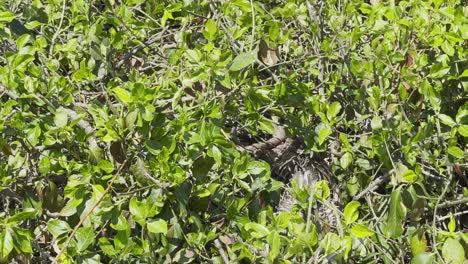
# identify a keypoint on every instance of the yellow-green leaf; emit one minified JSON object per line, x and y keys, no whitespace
{"x":456,"y":152}
{"x":123,"y":95}
{"x":361,"y":231}
{"x":242,"y":60}
{"x":158,"y":227}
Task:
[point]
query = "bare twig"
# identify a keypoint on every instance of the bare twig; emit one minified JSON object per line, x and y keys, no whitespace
{"x":374,"y":185}
{"x":452,"y":203}
{"x":59,"y":28}
{"x":138,"y":48}
{"x":10,"y":94}
{"x":455,"y":214}
{"x":221,"y":251}
{"x":434,"y":218}
{"x":70,"y":237}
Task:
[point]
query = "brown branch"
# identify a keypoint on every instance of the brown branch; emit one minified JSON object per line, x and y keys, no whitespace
{"x":70,"y":237}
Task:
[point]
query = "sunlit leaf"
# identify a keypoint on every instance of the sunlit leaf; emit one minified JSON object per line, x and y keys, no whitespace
{"x":158,"y":226}
{"x":361,"y":231}
{"x":242,"y":60}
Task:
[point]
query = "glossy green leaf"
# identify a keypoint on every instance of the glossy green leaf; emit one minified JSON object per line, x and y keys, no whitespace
{"x":58,"y":227}
{"x":463,"y":130}
{"x":422,"y":258}
{"x":242,"y":60}
{"x":158,"y":226}
{"x":61,"y":118}
{"x":447,"y":48}
{"x":20,"y":217}
{"x":453,"y":251}
{"x":274,"y":241}
{"x":123,"y":95}
{"x":323,"y":133}
{"x":333,"y":110}
{"x":456,"y":152}
{"x":6,"y":17}
{"x":256,"y":230}
{"x":361,"y":231}
{"x":452,"y":225}
{"x":447,"y":120}
{"x":84,"y":238}
{"x":396,"y":216}
{"x":346,"y":160}
{"x":351,"y":212}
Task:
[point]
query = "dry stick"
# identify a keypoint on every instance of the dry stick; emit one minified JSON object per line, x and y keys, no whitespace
{"x":434,"y":217}
{"x":70,"y":237}
{"x":221,"y":251}
{"x":452,"y":203}
{"x":374,"y":185}
{"x":455,"y":214}
{"x":137,"y":49}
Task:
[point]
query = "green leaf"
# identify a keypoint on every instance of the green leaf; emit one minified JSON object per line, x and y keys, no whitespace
{"x":58,"y":227}
{"x":456,"y":152}
{"x":452,"y":225}
{"x":211,"y":27}
{"x":70,"y":208}
{"x":403,"y":174}
{"x":6,"y":241}
{"x":453,"y":251}
{"x":32,"y":24}
{"x":139,"y":210}
{"x":422,"y":258}
{"x":447,"y":120}
{"x":323,"y":133}
{"x":267,"y":126}
{"x":107,"y":247}
{"x":106,"y":166}
{"x":447,"y":48}
{"x":121,"y":224}
{"x":6,"y":17}
{"x":193,"y":56}
{"x":216,"y":154}
{"x":84,"y":237}
{"x":396,"y":215}
{"x":167,"y":14}
{"x":439,"y":70}
{"x":256,"y":230}
{"x":361,"y":231}
{"x":463,"y":130}
{"x":333,"y":110}
{"x":321,"y":190}
{"x":22,"y":238}
{"x":123,"y":95}
{"x":274,"y":241}
{"x":418,"y":243}
{"x":33,"y":135}
{"x":351,"y":212}
{"x":44,"y":165}
{"x":61,"y":118}
{"x":20,"y":217}
{"x":242,"y":60}
{"x":376,"y":122}
{"x":346,"y":159}
{"x":158,"y":227}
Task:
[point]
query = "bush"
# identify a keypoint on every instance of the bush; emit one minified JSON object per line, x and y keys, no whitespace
{"x":152,"y":131}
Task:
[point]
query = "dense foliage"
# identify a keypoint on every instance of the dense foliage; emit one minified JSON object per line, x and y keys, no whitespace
{"x":118,"y":124}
